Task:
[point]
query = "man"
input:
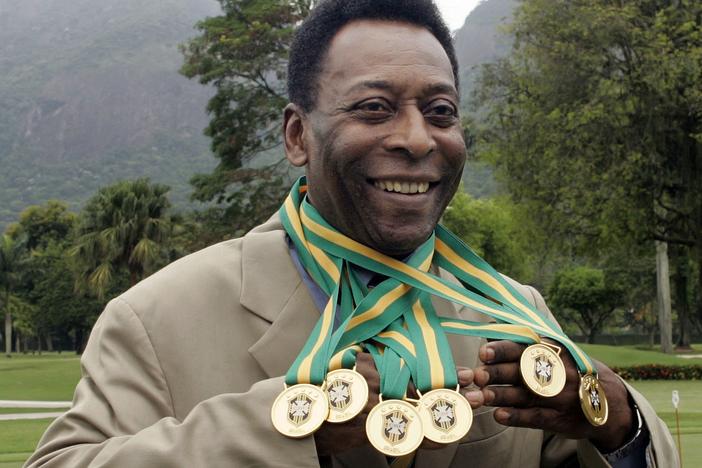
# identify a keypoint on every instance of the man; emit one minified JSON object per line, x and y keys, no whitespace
{"x":182,"y":369}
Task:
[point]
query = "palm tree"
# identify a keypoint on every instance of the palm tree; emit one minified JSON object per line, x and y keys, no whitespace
{"x":125,"y":225}
{"x":12,"y":259}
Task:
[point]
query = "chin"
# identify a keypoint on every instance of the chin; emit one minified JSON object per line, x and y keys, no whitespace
{"x":402,"y":241}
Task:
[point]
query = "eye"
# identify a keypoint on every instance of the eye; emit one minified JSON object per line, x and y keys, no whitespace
{"x":373,"y":109}
{"x":442,"y":113}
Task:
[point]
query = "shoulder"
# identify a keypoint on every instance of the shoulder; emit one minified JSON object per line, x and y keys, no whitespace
{"x":204,"y":282}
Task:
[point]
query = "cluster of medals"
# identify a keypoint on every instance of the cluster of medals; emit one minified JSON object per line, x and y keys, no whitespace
{"x":396,"y":322}
{"x":395,"y":427}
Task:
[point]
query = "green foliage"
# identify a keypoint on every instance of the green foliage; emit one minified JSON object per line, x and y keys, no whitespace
{"x":593,"y":120}
{"x":488,"y":226}
{"x":42,"y":225}
{"x":125,"y":226}
{"x":659,"y":372}
{"x":584,"y":296}
{"x":243,"y":53}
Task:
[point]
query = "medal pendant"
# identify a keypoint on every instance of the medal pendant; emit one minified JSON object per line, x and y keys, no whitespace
{"x":446,"y":415}
{"x":347,"y":393}
{"x":299,"y":410}
{"x":394,"y":428}
{"x":593,"y":400}
{"x":542,"y":370}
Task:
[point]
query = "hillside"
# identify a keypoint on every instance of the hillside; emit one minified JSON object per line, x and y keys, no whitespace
{"x":90,"y":94}
{"x":481,"y":40}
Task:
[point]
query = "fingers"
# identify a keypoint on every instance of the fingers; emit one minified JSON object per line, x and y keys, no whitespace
{"x":536,"y":418}
{"x":500,"y":351}
{"x":498,"y":374}
{"x":519,"y":397}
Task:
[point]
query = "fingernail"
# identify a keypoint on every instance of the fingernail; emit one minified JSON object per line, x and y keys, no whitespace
{"x":489,"y":354}
{"x":489,"y":396}
{"x":474,"y":397}
{"x":502,"y":416}
{"x":465,"y":377}
{"x":482,"y":375}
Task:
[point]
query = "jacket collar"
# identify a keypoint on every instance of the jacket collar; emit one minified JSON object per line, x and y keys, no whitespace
{"x":287,"y":304}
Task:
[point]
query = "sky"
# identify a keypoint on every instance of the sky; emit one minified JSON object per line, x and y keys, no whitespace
{"x":455,"y":11}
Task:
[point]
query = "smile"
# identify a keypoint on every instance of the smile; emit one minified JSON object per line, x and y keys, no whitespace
{"x":402,"y":187}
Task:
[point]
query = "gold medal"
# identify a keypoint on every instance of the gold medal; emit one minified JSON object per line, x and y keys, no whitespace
{"x":593,"y":400}
{"x":299,"y":410}
{"x":542,"y":370}
{"x":394,"y":428}
{"x":446,"y":415}
{"x":347,"y":393}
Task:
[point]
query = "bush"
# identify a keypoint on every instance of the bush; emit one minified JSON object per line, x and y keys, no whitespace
{"x":660,"y":372}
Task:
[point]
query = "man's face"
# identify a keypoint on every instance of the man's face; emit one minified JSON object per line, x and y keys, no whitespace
{"x":383,"y":148}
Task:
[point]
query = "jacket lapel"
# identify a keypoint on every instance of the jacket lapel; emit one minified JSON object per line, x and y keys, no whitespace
{"x":272,"y":288}
{"x":287,"y":304}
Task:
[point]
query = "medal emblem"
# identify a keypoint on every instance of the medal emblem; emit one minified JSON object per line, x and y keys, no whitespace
{"x":347,"y":392}
{"x":593,"y":400}
{"x":394,"y":428}
{"x":443,"y":415}
{"x":339,"y":394}
{"x":446,"y":415}
{"x":542,"y":370}
{"x":299,"y":410}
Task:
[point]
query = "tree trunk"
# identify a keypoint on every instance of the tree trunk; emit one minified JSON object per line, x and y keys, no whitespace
{"x":591,"y":336}
{"x":49,"y":343}
{"x":681,"y":295}
{"x":8,"y":332}
{"x":663,"y":297}
{"x":18,"y":343}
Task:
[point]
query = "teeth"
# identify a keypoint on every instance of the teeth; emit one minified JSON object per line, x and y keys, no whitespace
{"x":402,"y":187}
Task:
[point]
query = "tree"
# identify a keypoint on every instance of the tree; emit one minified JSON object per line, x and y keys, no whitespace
{"x":43,"y":224}
{"x":12,"y":259}
{"x":586,"y":297}
{"x":488,"y":226}
{"x":123,"y":227}
{"x":243,"y":53}
{"x":596,"y":121}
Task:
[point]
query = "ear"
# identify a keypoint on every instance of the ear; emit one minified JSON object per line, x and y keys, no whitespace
{"x":294,"y":135}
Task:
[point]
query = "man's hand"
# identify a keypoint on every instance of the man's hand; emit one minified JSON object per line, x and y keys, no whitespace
{"x":502,"y":386}
{"x":336,"y":438}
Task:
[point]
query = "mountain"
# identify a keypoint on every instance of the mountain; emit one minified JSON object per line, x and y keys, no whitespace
{"x":481,"y":40}
{"x":90,"y":94}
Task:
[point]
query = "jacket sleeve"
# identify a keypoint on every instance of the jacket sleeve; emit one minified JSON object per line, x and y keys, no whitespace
{"x":122,"y":414}
{"x":661,"y":451}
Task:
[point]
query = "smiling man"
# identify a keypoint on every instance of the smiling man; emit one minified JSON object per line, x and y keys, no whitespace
{"x":184,"y":368}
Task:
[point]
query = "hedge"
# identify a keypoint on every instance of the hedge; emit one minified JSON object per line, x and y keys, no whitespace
{"x":660,"y":372}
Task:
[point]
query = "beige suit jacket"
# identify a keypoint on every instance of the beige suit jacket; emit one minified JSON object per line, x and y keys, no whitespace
{"x":182,"y":369}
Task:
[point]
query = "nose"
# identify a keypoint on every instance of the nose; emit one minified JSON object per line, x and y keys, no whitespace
{"x":411,"y":134}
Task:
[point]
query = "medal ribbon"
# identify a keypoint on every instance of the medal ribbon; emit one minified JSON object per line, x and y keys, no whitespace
{"x":326,"y":254}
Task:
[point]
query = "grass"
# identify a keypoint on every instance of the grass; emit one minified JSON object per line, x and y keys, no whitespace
{"x":18,"y":439}
{"x":659,"y":392}
{"x":51,"y":376}
{"x":30,"y":410}
{"x":621,"y":356}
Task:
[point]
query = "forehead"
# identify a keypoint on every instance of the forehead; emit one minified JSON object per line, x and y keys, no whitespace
{"x":379,"y":50}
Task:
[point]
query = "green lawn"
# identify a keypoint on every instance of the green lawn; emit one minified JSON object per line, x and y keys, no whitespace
{"x":18,"y":439}
{"x":30,"y":410}
{"x":620,"y":356}
{"x":51,"y":376}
